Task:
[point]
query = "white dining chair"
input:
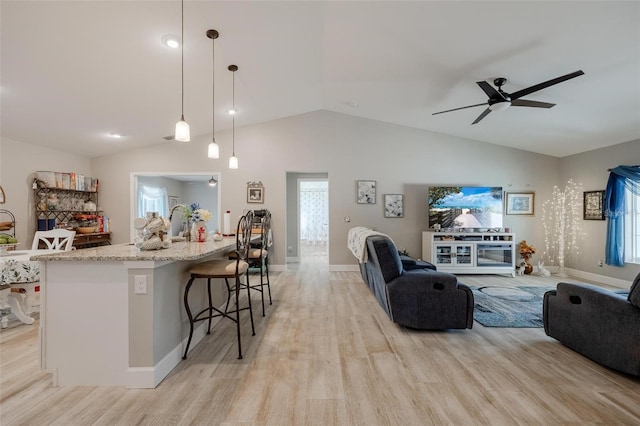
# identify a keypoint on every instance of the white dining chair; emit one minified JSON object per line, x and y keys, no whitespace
{"x":23,"y":295}
{"x":55,"y":239}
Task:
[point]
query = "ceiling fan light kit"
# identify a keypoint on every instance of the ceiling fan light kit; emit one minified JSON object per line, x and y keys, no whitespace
{"x":500,"y":100}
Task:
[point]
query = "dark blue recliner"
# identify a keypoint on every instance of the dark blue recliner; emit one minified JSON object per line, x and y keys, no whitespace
{"x":418,"y":298}
{"x":600,"y":324}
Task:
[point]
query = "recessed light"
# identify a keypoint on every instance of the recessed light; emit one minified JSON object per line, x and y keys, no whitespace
{"x":232,"y":111}
{"x":115,"y":135}
{"x":170,"y":40}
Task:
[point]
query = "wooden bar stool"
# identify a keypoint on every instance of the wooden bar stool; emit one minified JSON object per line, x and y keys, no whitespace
{"x":227,"y":270}
{"x":259,"y":256}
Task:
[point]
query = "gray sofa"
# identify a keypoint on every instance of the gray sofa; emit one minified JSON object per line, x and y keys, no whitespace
{"x":602,"y":325}
{"x":420,"y":298}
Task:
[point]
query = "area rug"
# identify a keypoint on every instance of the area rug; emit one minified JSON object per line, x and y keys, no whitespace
{"x":509,"y":306}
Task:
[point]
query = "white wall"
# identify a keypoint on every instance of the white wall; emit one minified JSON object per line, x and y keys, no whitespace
{"x":590,"y":169}
{"x":400,"y":159}
{"x":19,"y":162}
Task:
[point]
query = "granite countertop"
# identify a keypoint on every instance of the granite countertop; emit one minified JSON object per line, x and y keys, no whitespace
{"x":127,"y":252}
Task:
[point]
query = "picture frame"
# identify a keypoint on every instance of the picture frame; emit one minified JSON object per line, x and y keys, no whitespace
{"x":593,"y":205}
{"x":366,"y":191}
{"x":519,"y":203}
{"x":255,"y":194}
{"x":394,"y":205}
{"x":174,"y":200}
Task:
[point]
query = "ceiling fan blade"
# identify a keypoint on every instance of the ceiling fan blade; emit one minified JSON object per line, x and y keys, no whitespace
{"x":534,"y":104}
{"x":456,"y":109}
{"x":481,"y":116}
{"x":491,"y":92}
{"x":540,"y":86}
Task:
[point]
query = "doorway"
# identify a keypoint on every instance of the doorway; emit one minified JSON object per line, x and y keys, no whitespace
{"x":313,"y":221}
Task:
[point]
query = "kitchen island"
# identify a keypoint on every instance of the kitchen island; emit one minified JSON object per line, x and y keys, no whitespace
{"x":114,"y":315}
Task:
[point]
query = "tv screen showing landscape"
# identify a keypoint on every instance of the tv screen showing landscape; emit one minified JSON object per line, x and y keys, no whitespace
{"x":465,"y":207}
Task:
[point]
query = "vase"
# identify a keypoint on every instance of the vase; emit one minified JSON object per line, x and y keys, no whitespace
{"x":199,"y":232}
{"x":528,"y":269}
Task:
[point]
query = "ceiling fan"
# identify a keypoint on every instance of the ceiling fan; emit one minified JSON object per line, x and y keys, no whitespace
{"x":500,"y":100}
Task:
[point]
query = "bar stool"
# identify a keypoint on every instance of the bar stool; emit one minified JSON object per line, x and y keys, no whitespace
{"x":259,"y":255}
{"x":227,"y":270}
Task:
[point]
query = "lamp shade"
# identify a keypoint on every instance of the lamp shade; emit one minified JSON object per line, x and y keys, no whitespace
{"x":213,"y":151}
{"x":500,"y":106}
{"x":183,"y":133}
{"x":233,"y":162}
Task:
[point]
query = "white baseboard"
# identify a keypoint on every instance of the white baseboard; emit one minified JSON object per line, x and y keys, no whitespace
{"x":150,"y":377}
{"x":613,"y":282}
{"x":293,"y":259}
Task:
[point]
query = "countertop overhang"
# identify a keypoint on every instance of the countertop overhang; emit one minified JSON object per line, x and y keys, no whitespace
{"x":128,"y":252}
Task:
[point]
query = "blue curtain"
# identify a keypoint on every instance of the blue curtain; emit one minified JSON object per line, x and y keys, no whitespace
{"x":622,"y":178}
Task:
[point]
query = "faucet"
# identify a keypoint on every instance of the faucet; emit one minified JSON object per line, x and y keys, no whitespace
{"x":173,"y":209}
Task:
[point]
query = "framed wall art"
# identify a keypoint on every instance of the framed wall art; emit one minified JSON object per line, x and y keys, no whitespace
{"x":393,"y":205}
{"x":255,"y":192}
{"x":519,"y":203}
{"x":366,"y":191}
{"x":593,"y":205}
{"x":174,"y":200}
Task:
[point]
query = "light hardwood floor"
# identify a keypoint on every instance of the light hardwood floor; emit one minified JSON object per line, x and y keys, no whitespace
{"x":326,"y":354}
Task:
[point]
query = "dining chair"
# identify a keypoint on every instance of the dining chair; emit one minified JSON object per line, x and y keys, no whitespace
{"x":23,"y":294}
{"x":55,"y":239}
{"x":228,"y":270}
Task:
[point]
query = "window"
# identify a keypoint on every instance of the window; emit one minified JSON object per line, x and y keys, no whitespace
{"x":632,"y":228}
{"x":152,"y":199}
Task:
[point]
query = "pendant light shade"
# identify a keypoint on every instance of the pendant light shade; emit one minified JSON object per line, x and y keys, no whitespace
{"x":233,"y":161}
{"x":213,"y":181}
{"x":182,"y":133}
{"x":213,"y":151}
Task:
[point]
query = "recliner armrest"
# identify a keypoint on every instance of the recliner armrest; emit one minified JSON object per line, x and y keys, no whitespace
{"x":439,"y":281}
{"x":591,"y":295}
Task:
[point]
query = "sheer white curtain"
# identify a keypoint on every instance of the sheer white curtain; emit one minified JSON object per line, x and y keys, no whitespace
{"x":153,"y":199}
{"x":314,"y":211}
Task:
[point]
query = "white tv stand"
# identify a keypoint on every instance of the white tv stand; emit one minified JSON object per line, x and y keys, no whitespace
{"x":470,"y":252}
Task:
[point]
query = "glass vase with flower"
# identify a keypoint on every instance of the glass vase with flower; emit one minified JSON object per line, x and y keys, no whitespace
{"x":199,"y":219}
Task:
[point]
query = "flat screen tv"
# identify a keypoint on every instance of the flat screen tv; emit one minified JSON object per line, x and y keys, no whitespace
{"x":465,"y":207}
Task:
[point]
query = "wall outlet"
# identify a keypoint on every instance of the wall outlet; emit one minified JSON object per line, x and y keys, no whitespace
{"x":140,"y":284}
{"x":600,"y":263}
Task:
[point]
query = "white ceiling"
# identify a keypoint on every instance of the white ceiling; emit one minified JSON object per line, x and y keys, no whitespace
{"x":74,"y":71}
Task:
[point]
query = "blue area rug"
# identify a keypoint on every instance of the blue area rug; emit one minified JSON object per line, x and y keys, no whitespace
{"x":509,"y":306}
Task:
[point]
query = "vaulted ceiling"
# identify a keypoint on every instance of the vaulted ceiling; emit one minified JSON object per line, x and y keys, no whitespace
{"x":74,"y":71}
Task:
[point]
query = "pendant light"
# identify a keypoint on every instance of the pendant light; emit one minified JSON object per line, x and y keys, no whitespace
{"x":213,"y":181}
{"x":182,"y":133}
{"x":233,"y":161}
{"x":213,"y":151}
